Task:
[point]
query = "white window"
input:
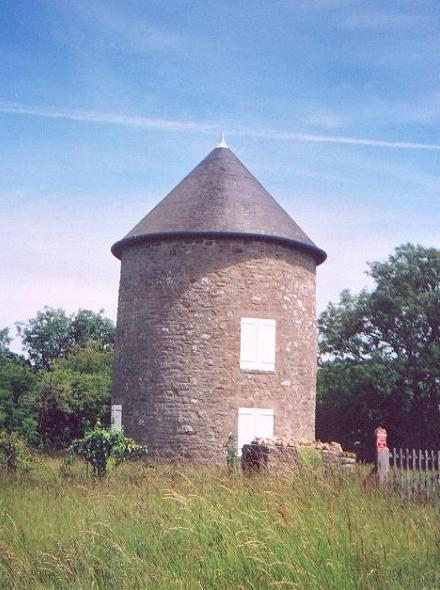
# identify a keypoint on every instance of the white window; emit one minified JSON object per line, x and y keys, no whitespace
{"x":116,"y":417}
{"x":253,"y":423}
{"x":257,"y":344}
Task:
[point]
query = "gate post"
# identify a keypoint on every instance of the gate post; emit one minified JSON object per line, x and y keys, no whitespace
{"x":382,"y":456}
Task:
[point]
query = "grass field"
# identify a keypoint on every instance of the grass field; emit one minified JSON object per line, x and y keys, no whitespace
{"x":170,"y":528}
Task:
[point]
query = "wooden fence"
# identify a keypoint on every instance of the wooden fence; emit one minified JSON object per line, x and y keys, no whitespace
{"x":415,"y":472}
{"x":411,"y":472}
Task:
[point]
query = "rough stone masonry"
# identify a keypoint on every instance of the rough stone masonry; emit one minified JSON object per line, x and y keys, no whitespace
{"x":186,"y":283}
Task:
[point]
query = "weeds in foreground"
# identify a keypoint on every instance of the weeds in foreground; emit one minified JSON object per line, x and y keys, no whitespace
{"x":171,"y":528}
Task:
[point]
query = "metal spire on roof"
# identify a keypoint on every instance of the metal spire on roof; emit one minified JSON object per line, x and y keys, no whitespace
{"x":222,"y":143}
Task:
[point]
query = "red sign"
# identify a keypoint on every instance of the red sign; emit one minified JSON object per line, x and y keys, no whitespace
{"x":381,"y":438}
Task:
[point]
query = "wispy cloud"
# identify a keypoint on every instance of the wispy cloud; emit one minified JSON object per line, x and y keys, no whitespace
{"x":293,"y":136}
{"x":109,"y":118}
{"x":200,"y":127}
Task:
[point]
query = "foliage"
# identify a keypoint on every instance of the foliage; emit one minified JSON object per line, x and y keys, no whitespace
{"x":176,"y":527}
{"x":65,"y":386}
{"x":380,"y":355}
{"x":14,"y":453}
{"x":92,"y":329}
{"x":17,"y":382}
{"x":99,"y":444}
{"x":74,"y":395}
{"x":5,"y":340}
{"x":51,"y":334}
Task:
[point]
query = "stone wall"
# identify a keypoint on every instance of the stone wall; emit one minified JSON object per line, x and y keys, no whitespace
{"x":284,"y":454}
{"x":176,"y":367}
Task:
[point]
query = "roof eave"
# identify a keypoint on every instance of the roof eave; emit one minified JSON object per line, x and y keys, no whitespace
{"x":318,"y":254}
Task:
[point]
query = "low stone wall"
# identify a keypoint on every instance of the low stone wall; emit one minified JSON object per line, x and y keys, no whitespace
{"x":280,"y":454}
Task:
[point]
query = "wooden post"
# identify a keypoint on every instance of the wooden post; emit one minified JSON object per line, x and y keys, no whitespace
{"x":414,"y":471}
{"x":382,"y":456}
{"x":426,"y":473}
{"x":437,"y":476}
{"x":401,"y":468}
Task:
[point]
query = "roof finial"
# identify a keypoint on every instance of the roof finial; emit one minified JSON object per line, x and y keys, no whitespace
{"x":222,"y":143}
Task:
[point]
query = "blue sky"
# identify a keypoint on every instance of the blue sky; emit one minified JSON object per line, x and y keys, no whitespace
{"x":104,"y":106}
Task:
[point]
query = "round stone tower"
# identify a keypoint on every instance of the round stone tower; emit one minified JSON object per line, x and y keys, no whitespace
{"x":216,"y":328}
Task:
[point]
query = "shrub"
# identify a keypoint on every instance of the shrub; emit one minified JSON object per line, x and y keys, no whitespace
{"x":100,"y":444}
{"x":14,"y":453}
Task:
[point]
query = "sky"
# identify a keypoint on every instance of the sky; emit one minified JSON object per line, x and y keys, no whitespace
{"x":334,"y":105}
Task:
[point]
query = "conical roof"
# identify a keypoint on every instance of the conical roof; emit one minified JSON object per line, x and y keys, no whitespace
{"x":220,"y":197}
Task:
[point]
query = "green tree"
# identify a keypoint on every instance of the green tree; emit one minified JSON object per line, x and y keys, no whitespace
{"x":92,"y":329}
{"x":5,"y":341}
{"x":17,"y":383}
{"x":46,"y":337}
{"x":380,"y":355}
{"x":51,"y":334}
{"x":74,"y":395}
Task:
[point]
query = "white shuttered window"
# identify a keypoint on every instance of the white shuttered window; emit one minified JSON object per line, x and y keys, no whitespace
{"x":253,"y":423}
{"x":117,"y":417}
{"x":257,"y":344}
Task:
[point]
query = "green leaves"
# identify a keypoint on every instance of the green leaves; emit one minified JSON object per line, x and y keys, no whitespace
{"x":74,"y":395}
{"x":17,"y":383}
{"x":51,"y":334}
{"x":99,"y":444}
{"x":64,"y":387}
{"x":380,"y":354}
{"x":46,"y":337}
{"x":14,"y":453}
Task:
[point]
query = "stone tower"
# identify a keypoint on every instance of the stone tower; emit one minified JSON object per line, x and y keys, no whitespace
{"x":216,"y":328}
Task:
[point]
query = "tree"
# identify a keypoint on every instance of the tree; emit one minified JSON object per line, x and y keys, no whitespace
{"x":74,"y":395}
{"x":92,"y":329}
{"x":46,"y":337}
{"x":51,"y":334}
{"x":17,"y":383}
{"x":380,"y":354}
{"x":5,"y":340}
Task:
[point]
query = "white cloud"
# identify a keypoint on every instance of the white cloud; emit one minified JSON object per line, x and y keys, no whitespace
{"x":199,"y":127}
{"x":107,"y":118}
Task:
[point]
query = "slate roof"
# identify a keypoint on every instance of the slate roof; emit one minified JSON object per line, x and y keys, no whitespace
{"x":220,"y":197}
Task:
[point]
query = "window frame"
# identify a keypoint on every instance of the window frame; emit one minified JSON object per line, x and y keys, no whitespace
{"x":258,"y":364}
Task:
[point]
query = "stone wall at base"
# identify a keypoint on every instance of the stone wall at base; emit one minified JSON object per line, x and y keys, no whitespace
{"x":278,"y":455}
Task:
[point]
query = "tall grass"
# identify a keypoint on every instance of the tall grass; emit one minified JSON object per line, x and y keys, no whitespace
{"x":170,"y":528}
